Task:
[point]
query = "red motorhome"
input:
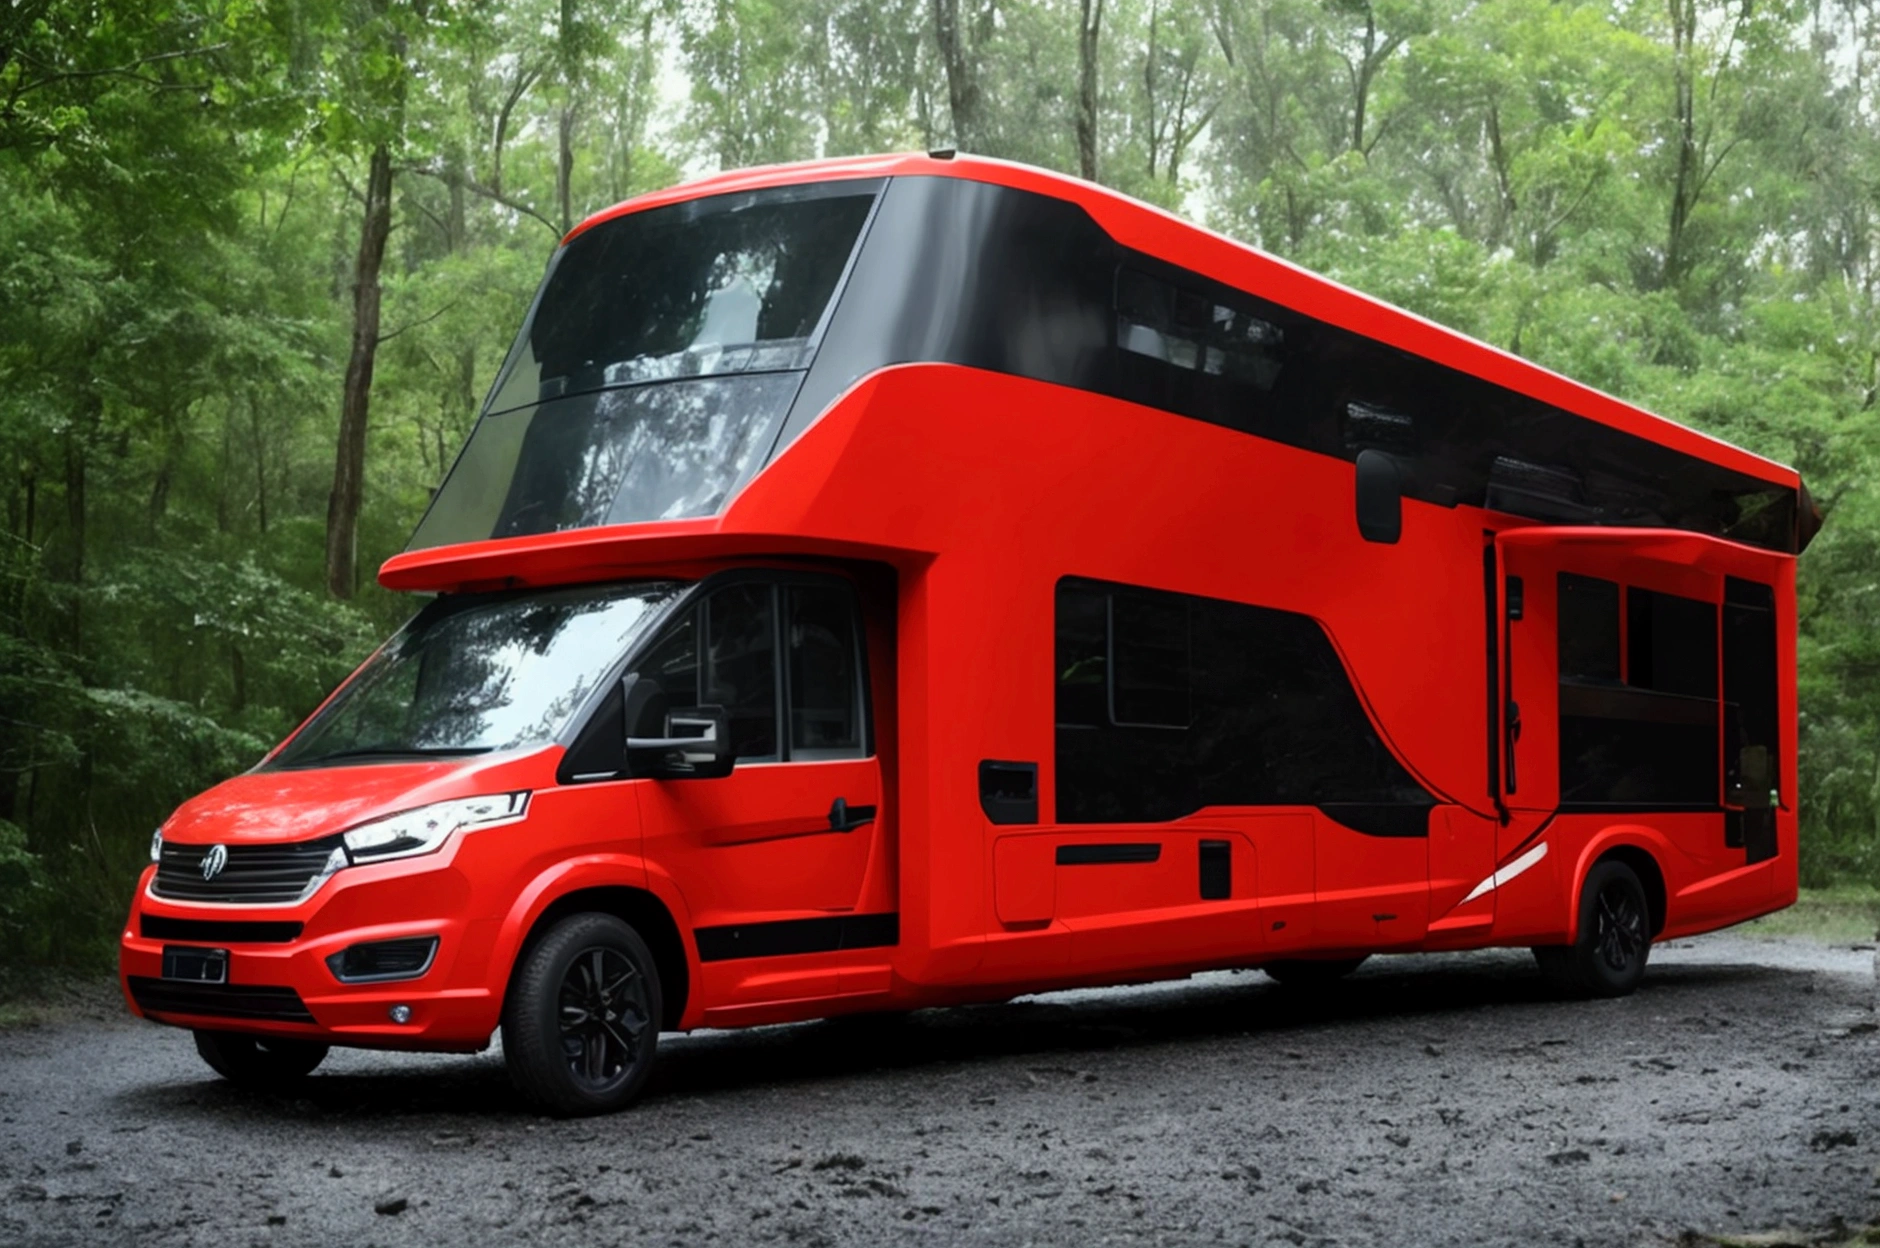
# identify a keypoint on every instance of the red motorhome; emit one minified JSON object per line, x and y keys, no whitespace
{"x":894,"y":582}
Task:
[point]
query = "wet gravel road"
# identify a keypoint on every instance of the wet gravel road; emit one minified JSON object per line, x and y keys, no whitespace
{"x":1430,"y":1100}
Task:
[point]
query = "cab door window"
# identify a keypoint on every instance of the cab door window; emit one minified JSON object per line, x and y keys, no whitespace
{"x":740,"y":668}
{"x":725,"y":652}
{"x":825,"y":685}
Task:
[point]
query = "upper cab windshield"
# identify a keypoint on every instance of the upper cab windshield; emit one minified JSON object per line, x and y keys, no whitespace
{"x":657,"y":365}
{"x":473,"y":674}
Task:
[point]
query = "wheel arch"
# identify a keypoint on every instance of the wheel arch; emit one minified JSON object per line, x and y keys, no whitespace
{"x":639,"y":909}
{"x":1644,"y":865}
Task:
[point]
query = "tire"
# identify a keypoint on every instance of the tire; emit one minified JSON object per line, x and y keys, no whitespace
{"x":259,"y":1062}
{"x":581,"y":1023}
{"x":1312,"y":972}
{"x":1607,"y":957}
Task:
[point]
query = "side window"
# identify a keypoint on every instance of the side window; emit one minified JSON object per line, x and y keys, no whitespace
{"x":723,"y":652}
{"x":1190,"y":331}
{"x":673,"y":662}
{"x":1150,"y":665}
{"x":1671,"y":644}
{"x":825,"y":694}
{"x":740,"y":668}
{"x":1589,"y":629}
{"x":1752,"y":737}
{"x":1168,"y":703}
{"x":1643,"y":735}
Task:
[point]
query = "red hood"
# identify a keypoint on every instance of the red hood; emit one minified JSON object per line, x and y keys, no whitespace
{"x":300,"y":804}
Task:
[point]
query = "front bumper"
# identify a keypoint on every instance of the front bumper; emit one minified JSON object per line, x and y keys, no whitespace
{"x":279,"y":982}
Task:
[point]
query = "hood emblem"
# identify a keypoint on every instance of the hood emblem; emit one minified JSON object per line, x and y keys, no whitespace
{"x":214,"y":861}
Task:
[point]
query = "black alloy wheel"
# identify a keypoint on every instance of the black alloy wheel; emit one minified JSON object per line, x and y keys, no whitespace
{"x":259,"y":1062}
{"x":581,"y":1024}
{"x":1608,"y":955}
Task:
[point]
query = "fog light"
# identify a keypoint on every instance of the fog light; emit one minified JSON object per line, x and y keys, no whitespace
{"x":401,"y":1013}
{"x":378,"y":961}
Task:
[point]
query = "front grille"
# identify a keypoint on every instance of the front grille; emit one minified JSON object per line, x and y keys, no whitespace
{"x":170,"y":996}
{"x":254,"y":875}
{"x":218,"y":931}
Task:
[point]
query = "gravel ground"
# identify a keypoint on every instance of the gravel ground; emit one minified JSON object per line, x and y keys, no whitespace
{"x":1430,"y":1100}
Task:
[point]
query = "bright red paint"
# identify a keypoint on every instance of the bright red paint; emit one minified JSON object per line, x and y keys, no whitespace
{"x":895,"y":476}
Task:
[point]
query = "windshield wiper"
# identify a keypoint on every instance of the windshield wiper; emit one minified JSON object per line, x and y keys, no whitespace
{"x":390,"y":750}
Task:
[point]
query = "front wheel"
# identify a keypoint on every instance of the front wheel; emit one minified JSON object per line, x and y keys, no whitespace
{"x":260,"y":1062}
{"x":1607,"y":957}
{"x":582,"y":1020}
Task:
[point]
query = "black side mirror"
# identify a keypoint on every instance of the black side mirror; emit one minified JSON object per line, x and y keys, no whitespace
{"x":697,"y":746}
{"x":1380,"y":498}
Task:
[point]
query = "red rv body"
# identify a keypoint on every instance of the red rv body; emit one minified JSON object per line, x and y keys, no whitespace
{"x":886,"y":583}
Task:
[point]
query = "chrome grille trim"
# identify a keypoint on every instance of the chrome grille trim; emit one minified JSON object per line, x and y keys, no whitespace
{"x":256,"y":875}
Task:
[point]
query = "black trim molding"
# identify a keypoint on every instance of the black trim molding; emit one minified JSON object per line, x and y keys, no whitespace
{"x":218,"y":931}
{"x":1105,"y":853}
{"x":792,"y":936}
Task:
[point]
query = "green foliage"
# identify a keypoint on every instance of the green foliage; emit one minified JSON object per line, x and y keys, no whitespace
{"x":1673,"y":201}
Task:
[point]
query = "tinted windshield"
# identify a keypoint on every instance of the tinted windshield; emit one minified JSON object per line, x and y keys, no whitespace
{"x":729,"y":284}
{"x":660,"y":452}
{"x":472,"y":674}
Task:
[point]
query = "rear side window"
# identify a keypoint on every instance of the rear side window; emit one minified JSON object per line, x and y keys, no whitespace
{"x":1638,"y":698}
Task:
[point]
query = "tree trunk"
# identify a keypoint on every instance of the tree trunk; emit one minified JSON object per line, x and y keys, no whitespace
{"x":88,"y":410}
{"x":564,"y":168}
{"x":1089,"y":34}
{"x":1684,"y":184}
{"x":342,"y":509}
{"x":962,"y":76}
{"x":1362,"y":87}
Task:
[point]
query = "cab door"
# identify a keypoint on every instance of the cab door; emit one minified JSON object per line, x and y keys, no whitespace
{"x":791,"y":832}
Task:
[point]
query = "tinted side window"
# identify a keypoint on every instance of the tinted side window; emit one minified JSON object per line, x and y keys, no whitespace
{"x":1589,"y":628}
{"x":1022,"y":283}
{"x":825,"y":675}
{"x":740,"y":669}
{"x":1263,"y":712}
{"x":1651,"y":740}
{"x":1150,"y":668}
{"x":1671,"y":643}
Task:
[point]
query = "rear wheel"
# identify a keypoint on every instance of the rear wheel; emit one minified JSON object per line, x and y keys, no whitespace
{"x":581,"y":1023}
{"x":1312,"y":972}
{"x":1607,"y":957}
{"x":258,"y":1061}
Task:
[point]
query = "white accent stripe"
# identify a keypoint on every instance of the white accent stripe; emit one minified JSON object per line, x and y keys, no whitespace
{"x":1508,"y":872}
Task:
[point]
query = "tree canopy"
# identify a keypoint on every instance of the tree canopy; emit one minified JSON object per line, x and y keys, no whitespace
{"x":259,"y":259}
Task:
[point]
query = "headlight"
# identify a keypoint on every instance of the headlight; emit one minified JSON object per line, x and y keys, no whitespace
{"x":424,"y":830}
{"x":156,"y":845}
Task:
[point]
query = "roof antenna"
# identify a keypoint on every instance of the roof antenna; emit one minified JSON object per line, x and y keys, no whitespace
{"x":943,"y":153}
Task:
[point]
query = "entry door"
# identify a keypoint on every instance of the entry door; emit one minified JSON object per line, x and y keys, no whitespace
{"x":792,"y":831}
{"x":1752,"y":777}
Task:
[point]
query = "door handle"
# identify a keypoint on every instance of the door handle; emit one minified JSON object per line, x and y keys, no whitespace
{"x":846,"y":818}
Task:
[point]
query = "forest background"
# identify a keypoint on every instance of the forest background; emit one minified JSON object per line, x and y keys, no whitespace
{"x":259,"y":260}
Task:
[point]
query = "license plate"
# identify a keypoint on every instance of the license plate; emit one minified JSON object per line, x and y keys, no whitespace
{"x":198,"y":966}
